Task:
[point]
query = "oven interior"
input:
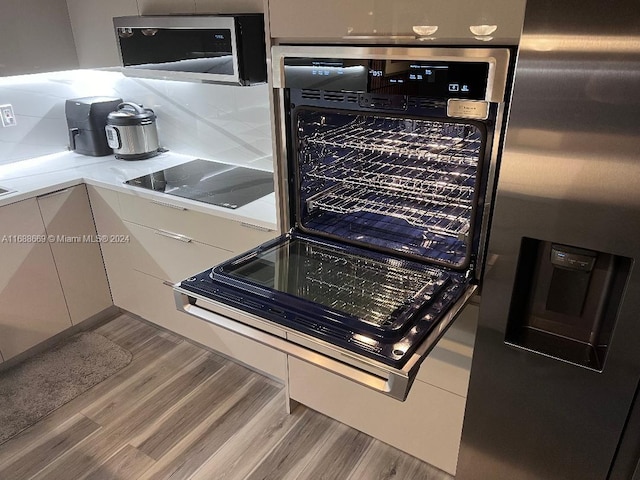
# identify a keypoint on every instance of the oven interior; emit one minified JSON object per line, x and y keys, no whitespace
{"x":401,"y":184}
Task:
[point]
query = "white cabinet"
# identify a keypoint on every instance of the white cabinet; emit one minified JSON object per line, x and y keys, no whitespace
{"x":428,"y":425}
{"x":116,"y":255}
{"x":72,"y":235}
{"x":36,"y":36}
{"x":167,"y":244}
{"x":170,"y":256}
{"x":229,"y":6}
{"x":230,"y":235}
{"x":166,"y":7}
{"x":341,"y":21}
{"x":32,"y":304}
{"x":93,"y":32}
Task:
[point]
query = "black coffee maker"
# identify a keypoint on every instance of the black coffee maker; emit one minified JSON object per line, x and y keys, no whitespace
{"x":86,"y":119}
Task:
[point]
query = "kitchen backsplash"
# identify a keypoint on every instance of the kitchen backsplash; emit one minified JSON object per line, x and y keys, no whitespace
{"x":218,"y":122}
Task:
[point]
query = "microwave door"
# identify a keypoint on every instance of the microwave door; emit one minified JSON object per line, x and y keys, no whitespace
{"x":219,"y":64}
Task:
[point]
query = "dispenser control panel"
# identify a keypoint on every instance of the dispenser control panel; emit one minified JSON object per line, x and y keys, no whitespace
{"x":571,"y":258}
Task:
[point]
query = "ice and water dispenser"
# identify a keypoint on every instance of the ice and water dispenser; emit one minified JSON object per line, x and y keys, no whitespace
{"x":565,"y":301}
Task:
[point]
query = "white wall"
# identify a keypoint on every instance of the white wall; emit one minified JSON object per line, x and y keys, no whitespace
{"x":218,"y":122}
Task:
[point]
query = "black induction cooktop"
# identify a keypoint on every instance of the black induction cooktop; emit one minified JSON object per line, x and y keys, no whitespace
{"x":215,"y":183}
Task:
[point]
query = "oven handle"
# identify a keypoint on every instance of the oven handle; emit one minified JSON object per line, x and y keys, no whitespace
{"x":397,"y":385}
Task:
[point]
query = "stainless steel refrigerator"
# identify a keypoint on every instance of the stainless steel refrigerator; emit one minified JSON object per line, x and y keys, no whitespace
{"x":556,"y":364}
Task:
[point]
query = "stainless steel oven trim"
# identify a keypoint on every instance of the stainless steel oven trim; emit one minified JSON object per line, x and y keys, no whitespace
{"x":497,"y":58}
{"x":178,"y":22}
{"x":489,"y":194}
{"x":364,"y":371}
{"x":281,"y":170}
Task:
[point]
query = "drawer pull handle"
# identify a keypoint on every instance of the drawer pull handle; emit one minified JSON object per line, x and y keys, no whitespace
{"x":379,"y":37}
{"x":175,"y":236}
{"x":256,"y":227}
{"x":169,"y":205}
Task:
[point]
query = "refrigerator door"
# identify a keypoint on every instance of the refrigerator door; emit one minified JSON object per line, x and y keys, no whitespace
{"x":556,"y":365}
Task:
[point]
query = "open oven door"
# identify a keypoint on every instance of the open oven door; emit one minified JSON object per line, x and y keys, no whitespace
{"x":366,"y":316}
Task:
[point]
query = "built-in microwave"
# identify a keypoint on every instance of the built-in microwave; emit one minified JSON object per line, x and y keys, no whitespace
{"x":207,"y":48}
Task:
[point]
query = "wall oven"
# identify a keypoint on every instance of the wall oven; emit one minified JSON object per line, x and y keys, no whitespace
{"x":386,"y":169}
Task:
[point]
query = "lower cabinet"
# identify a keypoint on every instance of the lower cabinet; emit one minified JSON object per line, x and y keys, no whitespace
{"x":167,"y":248}
{"x":52,"y":274}
{"x":72,"y":235}
{"x":32,"y":303}
{"x":428,"y":425}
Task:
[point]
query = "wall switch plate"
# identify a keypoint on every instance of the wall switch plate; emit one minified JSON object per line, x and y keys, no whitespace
{"x":8,"y":117}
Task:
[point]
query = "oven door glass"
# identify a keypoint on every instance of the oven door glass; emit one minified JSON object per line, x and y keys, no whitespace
{"x":373,"y":303}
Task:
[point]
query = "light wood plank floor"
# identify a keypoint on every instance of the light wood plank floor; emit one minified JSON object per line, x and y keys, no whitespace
{"x":179,"y":411}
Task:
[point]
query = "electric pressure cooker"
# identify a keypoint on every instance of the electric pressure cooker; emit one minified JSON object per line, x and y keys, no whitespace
{"x":131,"y":132}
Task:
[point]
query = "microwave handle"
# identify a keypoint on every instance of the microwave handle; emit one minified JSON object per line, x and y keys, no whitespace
{"x":396,"y":386}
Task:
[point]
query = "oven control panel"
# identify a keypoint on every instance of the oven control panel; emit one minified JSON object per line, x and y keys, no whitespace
{"x":432,"y":79}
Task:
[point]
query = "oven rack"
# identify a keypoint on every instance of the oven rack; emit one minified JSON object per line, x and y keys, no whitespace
{"x":440,"y":218}
{"x":390,"y":232}
{"x":399,"y":175}
{"x":366,"y":289}
{"x":419,"y":139}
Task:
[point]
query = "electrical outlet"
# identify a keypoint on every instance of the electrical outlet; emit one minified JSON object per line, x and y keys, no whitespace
{"x":8,"y":117}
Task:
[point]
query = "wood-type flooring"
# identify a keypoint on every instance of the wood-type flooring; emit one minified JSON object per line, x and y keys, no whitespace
{"x":179,"y":411}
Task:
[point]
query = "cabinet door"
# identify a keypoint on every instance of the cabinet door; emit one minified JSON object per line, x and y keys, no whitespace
{"x":39,"y":35}
{"x":165,"y":7}
{"x":116,"y":255}
{"x":93,"y":32}
{"x":32,"y":305}
{"x":229,"y":6}
{"x":72,"y":234}
{"x":339,"y":20}
{"x":428,"y":425}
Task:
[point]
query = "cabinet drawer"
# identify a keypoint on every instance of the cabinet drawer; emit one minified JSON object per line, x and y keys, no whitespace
{"x":152,"y":300}
{"x":216,"y":231}
{"x":448,"y":366}
{"x":170,"y":256}
{"x":428,"y":425}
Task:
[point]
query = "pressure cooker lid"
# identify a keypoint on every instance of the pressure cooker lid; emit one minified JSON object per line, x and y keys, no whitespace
{"x":129,"y":113}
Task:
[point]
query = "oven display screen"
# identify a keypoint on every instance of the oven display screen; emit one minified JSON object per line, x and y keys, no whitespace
{"x":401,"y":77}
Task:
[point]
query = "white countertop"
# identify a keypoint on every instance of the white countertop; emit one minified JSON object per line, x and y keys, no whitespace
{"x":53,"y":172}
